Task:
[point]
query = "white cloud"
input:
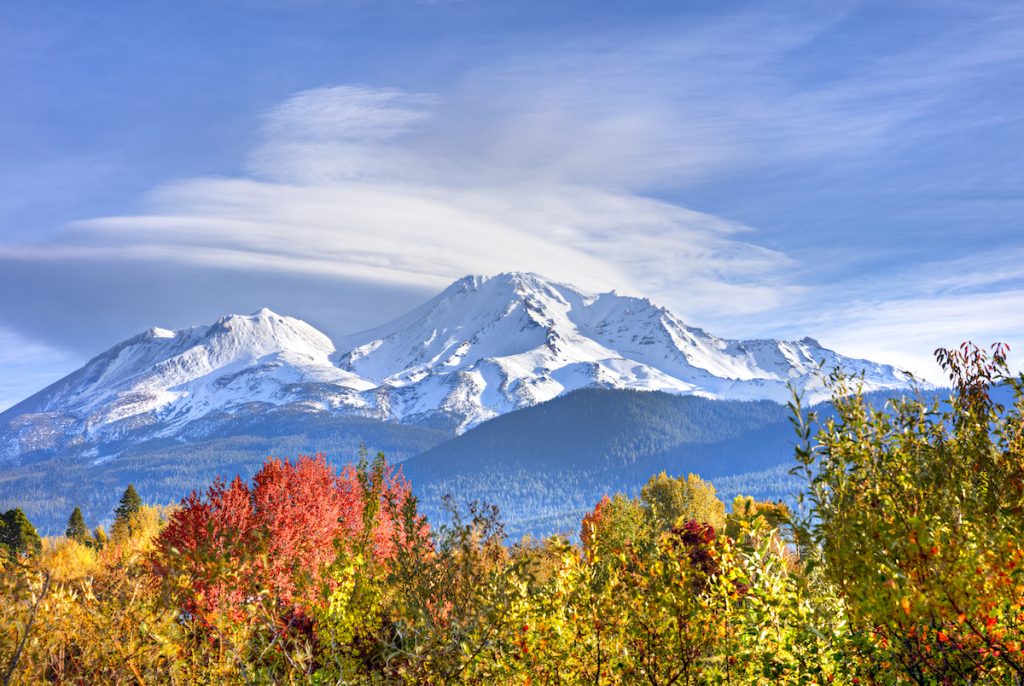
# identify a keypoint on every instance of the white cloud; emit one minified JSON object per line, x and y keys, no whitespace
{"x":346,"y":112}
{"x":905,"y":331}
{"x":696,"y":101}
{"x":903,"y":316}
{"x":339,"y":133}
{"x":430,"y":235}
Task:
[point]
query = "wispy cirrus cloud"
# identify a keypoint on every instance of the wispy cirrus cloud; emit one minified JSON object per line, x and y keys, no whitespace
{"x":341,"y":133}
{"x":906,"y":330}
{"x":905,"y":314}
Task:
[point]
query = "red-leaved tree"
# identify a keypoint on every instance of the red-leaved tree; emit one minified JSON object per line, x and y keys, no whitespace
{"x":269,"y":543}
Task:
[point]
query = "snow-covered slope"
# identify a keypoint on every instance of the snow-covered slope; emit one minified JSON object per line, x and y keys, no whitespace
{"x":160,"y":382}
{"x":482,"y":347}
{"x":488,"y":345}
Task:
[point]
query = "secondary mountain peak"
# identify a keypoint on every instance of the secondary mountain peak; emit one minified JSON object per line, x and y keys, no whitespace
{"x":266,"y":332}
{"x":160,"y":381}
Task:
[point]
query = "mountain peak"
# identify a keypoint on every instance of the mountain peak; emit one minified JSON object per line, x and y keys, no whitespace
{"x":157,"y":332}
{"x":512,"y":282}
{"x":264,"y":314}
{"x":488,"y":344}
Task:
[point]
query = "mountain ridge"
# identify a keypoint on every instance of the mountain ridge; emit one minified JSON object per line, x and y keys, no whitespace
{"x":482,"y":347}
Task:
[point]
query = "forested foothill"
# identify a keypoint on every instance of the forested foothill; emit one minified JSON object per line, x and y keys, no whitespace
{"x":900,"y":564}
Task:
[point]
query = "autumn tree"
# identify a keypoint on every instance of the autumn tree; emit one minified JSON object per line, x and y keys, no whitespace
{"x":670,"y":500}
{"x":274,"y":537}
{"x":99,"y":536}
{"x":614,"y":524}
{"x":776,"y":516}
{"x":452,"y":608}
{"x":78,"y":615}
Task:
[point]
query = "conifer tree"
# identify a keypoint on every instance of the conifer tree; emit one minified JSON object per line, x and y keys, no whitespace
{"x":18,"y":535}
{"x":129,"y":505}
{"x":77,"y":530}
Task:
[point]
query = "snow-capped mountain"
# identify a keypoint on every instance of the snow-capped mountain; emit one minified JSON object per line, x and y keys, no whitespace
{"x":482,"y":347}
{"x":488,"y":345}
{"x":161,"y":382}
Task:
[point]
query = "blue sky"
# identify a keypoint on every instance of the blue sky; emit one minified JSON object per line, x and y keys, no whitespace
{"x":846,"y":170}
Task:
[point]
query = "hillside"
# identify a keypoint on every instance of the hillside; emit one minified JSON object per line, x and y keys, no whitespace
{"x":545,"y":465}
